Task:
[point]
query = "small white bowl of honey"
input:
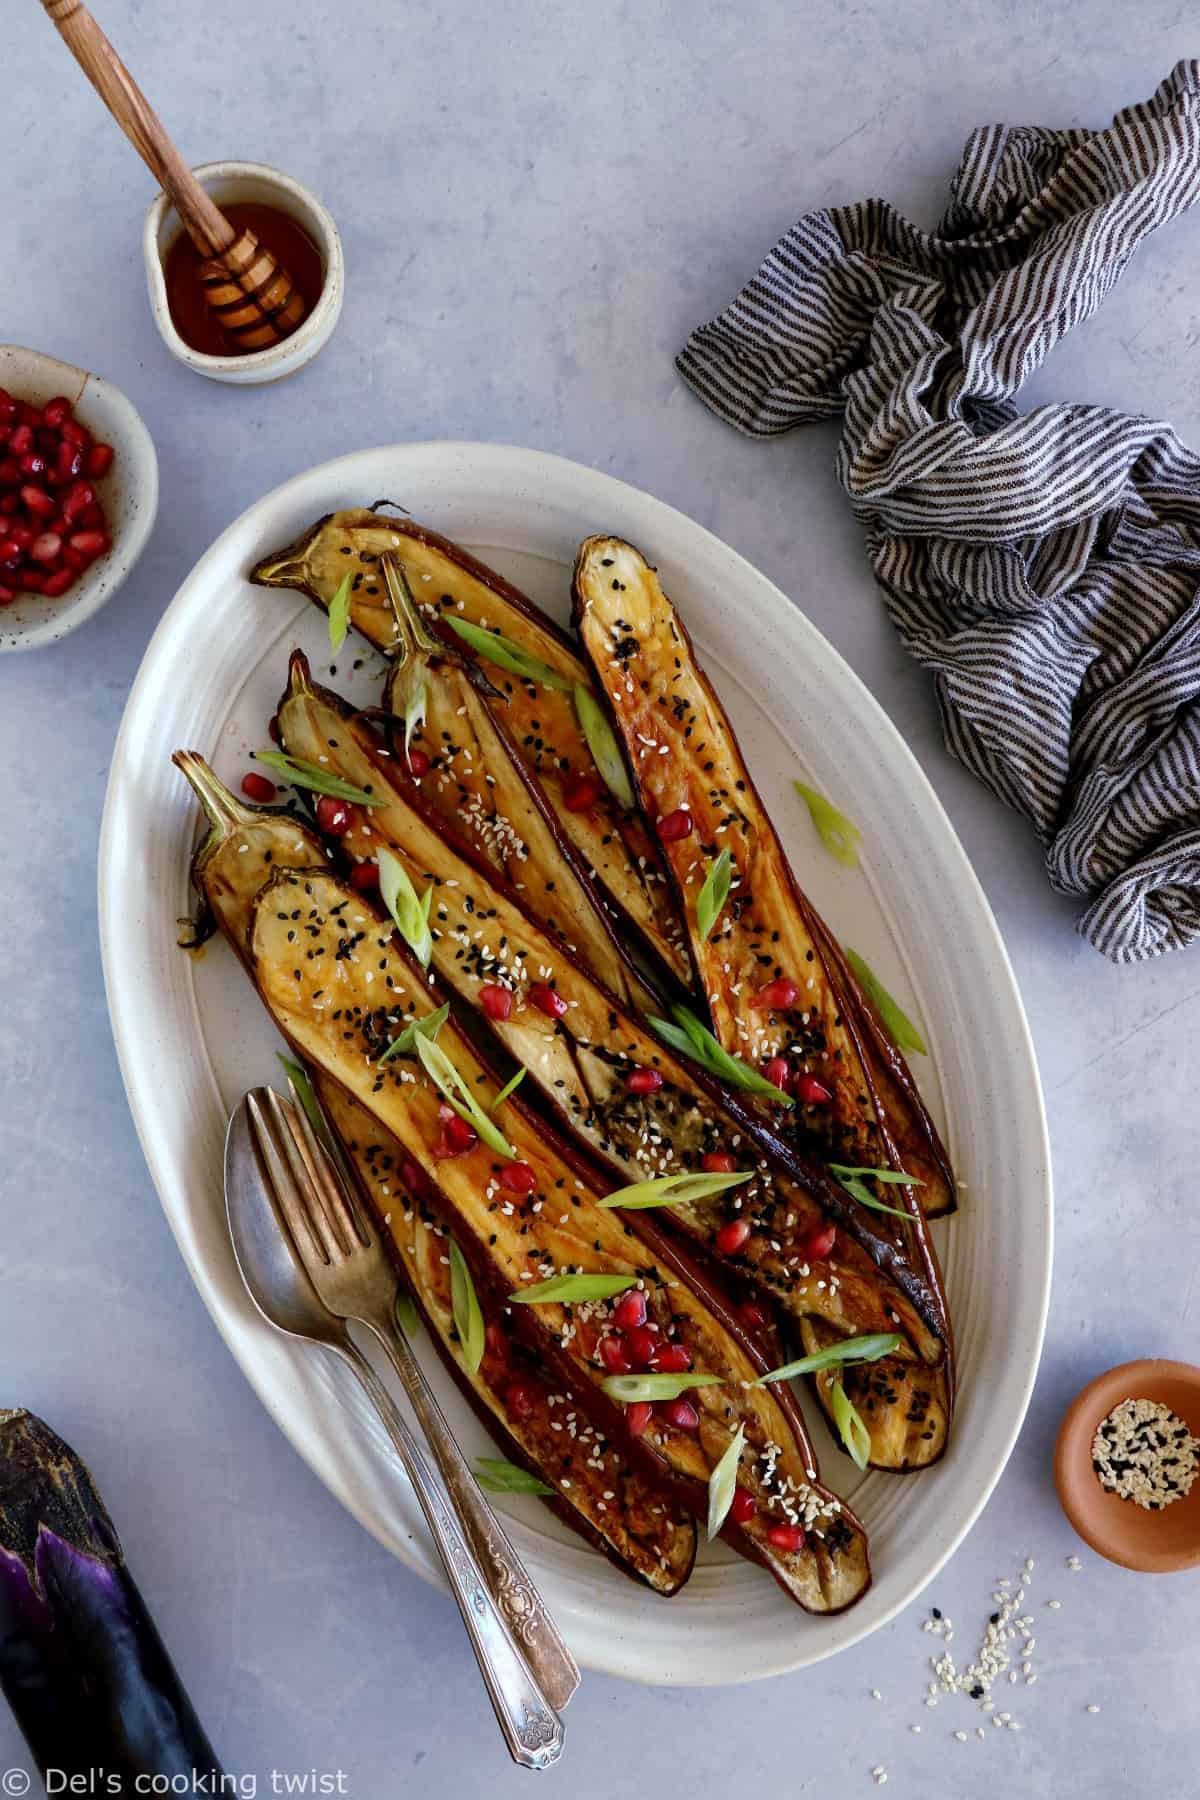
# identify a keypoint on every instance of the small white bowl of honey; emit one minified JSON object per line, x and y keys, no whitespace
{"x":290,"y":222}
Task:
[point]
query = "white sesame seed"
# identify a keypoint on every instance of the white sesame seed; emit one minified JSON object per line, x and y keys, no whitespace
{"x":1093,"y":1709}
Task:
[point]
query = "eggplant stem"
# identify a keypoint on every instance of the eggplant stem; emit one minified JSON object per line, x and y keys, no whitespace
{"x":225,"y":813}
{"x":412,"y":638}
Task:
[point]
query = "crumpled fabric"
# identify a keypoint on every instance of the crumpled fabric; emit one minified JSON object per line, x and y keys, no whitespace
{"x":1044,"y":566}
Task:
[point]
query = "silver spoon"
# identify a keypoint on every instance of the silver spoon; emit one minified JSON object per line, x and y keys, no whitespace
{"x":286,"y":1298}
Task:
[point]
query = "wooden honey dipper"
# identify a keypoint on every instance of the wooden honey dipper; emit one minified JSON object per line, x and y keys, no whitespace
{"x":252,"y":295}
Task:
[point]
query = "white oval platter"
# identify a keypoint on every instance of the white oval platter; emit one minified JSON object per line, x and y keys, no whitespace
{"x":192,"y":1036}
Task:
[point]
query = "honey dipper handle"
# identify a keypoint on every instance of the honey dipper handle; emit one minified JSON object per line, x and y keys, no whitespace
{"x":205,"y":223}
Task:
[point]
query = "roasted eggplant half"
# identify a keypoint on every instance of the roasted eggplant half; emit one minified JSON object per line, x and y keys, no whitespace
{"x":525,"y":1215}
{"x":622,"y":1511}
{"x":645,"y":1112}
{"x":540,"y":710}
{"x":775,"y":983}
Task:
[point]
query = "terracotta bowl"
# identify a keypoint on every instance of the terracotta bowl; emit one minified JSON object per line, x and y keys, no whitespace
{"x":1154,"y":1542}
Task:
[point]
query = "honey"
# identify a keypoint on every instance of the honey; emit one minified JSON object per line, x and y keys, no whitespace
{"x":277,"y":232}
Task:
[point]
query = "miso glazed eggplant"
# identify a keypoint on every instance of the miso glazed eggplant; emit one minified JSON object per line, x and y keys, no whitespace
{"x":543,"y":696}
{"x":81,"y":1663}
{"x":621,"y":1332}
{"x":648,"y":1536}
{"x":778,"y":990}
{"x":791,"y":1232}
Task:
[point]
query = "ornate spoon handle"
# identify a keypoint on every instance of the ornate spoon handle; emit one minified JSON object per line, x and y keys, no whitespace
{"x":532,"y":1729}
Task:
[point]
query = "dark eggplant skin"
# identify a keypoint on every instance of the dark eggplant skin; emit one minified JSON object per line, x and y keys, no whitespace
{"x":81,"y":1662}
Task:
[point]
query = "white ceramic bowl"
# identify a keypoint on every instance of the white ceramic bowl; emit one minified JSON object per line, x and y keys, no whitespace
{"x":129,"y":492}
{"x":229,"y":183}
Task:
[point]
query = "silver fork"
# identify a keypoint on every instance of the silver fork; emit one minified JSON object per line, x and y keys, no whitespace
{"x":354,"y":1279}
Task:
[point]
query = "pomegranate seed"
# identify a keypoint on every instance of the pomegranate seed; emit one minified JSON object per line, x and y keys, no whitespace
{"x":719,"y":1162}
{"x":637,"y":1417}
{"x":7,"y":595}
{"x":732,"y":1236}
{"x":641,"y":1343}
{"x":257,"y":787}
{"x":612,"y":1354}
{"x":36,"y":501}
{"x":818,"y":1244}
{"x":681,"y":1414}
{"x":58,"y":583}
{"x":33,"y":463}
{"x":675,"y":825}
{"x":776,"y":1071}
{"x":68,"y":461}
{"x":520,"y":1397}
{"x":99,"y":460}
{"x":90,"y":543}
{"x":547,"y":1000}
{"x":20,"y":535}
{"x":810,"y":1091}
{"x":630,"y":1310}
{"x":581,"y":792}
{"x":643,"y":1081}
{"x":744,"y":1506}
{"x":10,"y":472}
{"x":273,"y":730}
{"x":334,"y":816}
{"x":494,"y":1338}
{"x":418,"y":763}
{"x":45,"y":547}
{"x":752,"y":1315}
{"x":496,"y":1002}
{"x":364,"y":878}
{"x":56,"y":410}
{"x":458,"y":1136}
{"x":92,"y":517}
{"x":777,"y":996}
{"x":32,"y":580}
{"x":671,"y":1359}
{"x":517,"y":1178}
{"x":20,"y":441}
{"x":786,"y":1537}
{"x":10,"y":550}
{"x":73,"y":559}
{"x":9,"y":503}
{"x":79,"y":498}
{"x":75,"y":433}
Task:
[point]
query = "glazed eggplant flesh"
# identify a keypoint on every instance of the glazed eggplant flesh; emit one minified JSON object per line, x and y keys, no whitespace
{"x":581,"y":1048}
{"x":341,"y":987}
{"x":620,"y":1509}
{"x":541,"y":721}
{"x":774,"y":983}
{"x":466,"y":766}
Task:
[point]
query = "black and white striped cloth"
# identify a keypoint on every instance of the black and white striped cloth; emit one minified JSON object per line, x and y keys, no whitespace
{"x":1045,"y":566}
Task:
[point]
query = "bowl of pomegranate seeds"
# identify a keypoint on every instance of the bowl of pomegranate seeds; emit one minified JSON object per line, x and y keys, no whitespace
{"x":78,"y":495}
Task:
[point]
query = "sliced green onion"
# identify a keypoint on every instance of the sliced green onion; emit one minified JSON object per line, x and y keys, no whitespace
{"x":897,"y":1024}
{"x":509,"y":1087}
{"x":499,"y":1476}
{"x":602,"y":742}
{"x":468,"y":1319}
{"x":851,"y":1429}
{"x":574,"y":1287}
{"x":673,"y":1190}
{"x":493,"y":647}
{"x":414,"y":714}
{"x":339,"y":613}
{"x":407,"y":1316}
{"x":427,"y":1026}
{"x":868,"y":1348}
{"x":302,"y":774}
{"x":631,"y":1388}
{"x":410,"y":913}
{"x":851,"y":1180}
{"x":840,"y":835}
{"x":710,"y":901}
{"x":722,"y":1483}
{"x":696,"y":1041}
{"x":306,"y":1095}
{"x":454,"y":1090}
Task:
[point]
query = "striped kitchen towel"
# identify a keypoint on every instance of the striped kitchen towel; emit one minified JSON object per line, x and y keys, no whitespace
{"x":1044,"y":565}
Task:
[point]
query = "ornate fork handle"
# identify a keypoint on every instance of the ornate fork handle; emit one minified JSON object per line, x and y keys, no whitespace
{"x":510,"y":1584}
{"x":532,"y":1729}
